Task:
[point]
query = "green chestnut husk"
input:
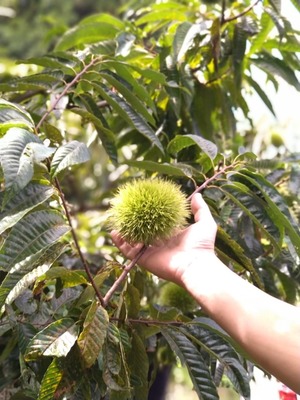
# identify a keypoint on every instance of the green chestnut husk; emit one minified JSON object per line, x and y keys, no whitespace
{"x":148,"y":210}
{"x":172,"y":295}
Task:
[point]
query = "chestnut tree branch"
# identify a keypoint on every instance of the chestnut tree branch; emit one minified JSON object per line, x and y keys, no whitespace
{"x":66,"y":89}
{"x":83,"y":260}
{"x":122,"y":277}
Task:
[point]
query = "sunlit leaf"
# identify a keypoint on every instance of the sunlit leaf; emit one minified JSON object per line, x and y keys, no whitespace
{"x":70,"y":154}
{"x":34,"y":233}
{"x":31,"y":196}
{"x":92,"y":337}
{"x":56,"y":340}
{"x":192,"y":358}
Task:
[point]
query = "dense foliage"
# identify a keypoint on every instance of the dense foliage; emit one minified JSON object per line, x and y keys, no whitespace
{"x":158,"y":92}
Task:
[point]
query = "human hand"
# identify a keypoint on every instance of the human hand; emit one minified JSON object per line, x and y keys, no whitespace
{"x":170,"y":259}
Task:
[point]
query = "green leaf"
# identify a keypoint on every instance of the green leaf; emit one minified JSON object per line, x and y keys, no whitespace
{"x":26,"y":272}
{"x":124,"y":110}
{"x":127,"y":93}
{"x":106,"y":136}
{"x":94,"y":333}
{"x":67,"y":155}
{"x":128,"y":73}
{"x":33,"y":233}
{"x":27,"y":199}
{"x":13,"y":115}
{"x":220,"y":348}
{"x":261,"y":93}
{"x":51,"y":380}
{"x":33,"y":82}
{"x":235,"y":253}
{"x":182,"y":141}
{"x":139,"y":366}
{"x":19,"y":150}
{"x":69,"y":278}
{"x":177,"y":169}
{"x":255,"y":208}
{"x":192,"y":358}
{"x":277,"y":207}
{"x":275,"y":66}
{"x":56,"y":340}
{"x":85,"y":34}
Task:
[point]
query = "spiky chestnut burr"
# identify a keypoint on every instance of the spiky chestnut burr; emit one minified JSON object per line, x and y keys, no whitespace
{"x":148,"y":210}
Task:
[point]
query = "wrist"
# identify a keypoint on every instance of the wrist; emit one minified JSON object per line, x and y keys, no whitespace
{"x":204,"y":278}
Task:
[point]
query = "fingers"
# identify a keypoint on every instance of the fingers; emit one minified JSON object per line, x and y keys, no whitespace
{"x":129,"y":251}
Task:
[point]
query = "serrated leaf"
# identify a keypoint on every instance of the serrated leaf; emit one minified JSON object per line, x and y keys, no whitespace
{"x":277,"y":207}
{"x":93,"y":335}
{"x":182,"y":141}
{"x":27,"y":199}
{"x":106,"y":136}
{"x":125,"y":111}
{"x":86,"y":33}
{"x":275,"y":66}
{"x":13,"y":115}
{"x":26,"y":272}
{"x":56,"y":340}
{"x":19,"y":150}
{"x":236,"y":252}
{"x":254,"y":207}
{"x":67,"y":155}
{"x":177,"y":169}
{"x":33,"y":233}
{"x":192,"y":358}
{"x":69,"y":278}
{"x":33,"y":82}
{"x":139,"y":366}
{"x":220,"y":348}
{"x":127,"y":93}
{"x":51,"y":380}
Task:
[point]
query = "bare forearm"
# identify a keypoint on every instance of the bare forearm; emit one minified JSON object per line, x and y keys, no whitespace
{"x":267,"y":328}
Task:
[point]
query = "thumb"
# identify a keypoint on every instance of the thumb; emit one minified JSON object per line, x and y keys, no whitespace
{"x":201,"y":210}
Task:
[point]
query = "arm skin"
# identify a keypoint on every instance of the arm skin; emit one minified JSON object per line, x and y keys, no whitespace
{"x":268,"y":329}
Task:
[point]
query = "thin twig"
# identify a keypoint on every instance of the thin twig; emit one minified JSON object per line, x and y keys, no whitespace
{"x":249,"y":8}
{"x":86,"y":267}
{"x":148,"y":321}
{"x":204,"y":184}
{"x":65,"y":91}
{"x":123,"y":276}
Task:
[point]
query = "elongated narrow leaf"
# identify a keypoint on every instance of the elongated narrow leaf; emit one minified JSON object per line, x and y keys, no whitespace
{"x":13,"y":115}
{"x":182,"y":141}
{"x":19,"y":150}
{"x":177,"y":169}
{"x":35,"y":232}
{"x":51,"y":380}
{"x":261,"y":93}
{"x":236,"y":252}
{"x":254,"y":207}
{"x":192,"y":358}
{"x":126,"y":92}
{"x":27,"y":271}
{"x":275,"y":66}
{"x":31,"y":196}
{"x":139,"y":367}
{"x":70,"y":154}
{"x":86,"y":33}
{"x":129,"y":114}
{"x":56,"y":340}
{"x":106,"y":136}
{"x":33,"y":82}
{"x":94,"y":333}
{"x":277,"y":207}
{"x":221,"y":349}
